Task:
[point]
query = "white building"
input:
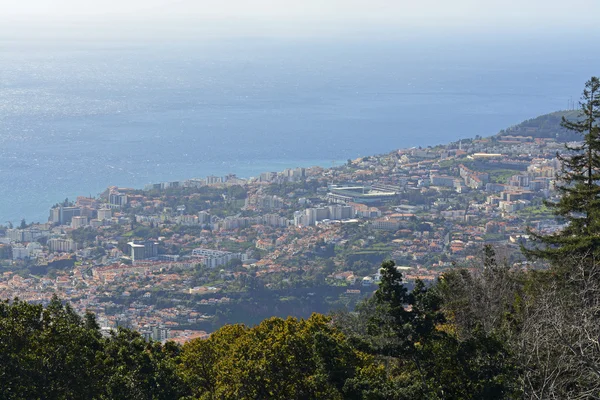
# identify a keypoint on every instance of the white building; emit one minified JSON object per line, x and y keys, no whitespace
{"x":20,"y":252}
{"x":386,"y":224}
{"x":216,"y":258}
{"x":203,"y":218}
{"x":117,"y":199}
{"x":79,"y":222}
{"x":187,"y":220}
{"x":24,"y":235}
{"x":62,"y":245}
{"x":34,"y":249}
{"x":104,"y":214}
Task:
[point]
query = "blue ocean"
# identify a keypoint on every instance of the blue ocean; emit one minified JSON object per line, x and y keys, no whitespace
{"x":77,"y":117}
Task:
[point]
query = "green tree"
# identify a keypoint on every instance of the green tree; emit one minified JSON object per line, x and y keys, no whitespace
{"x":53,"y":353}
{"x":47,"y":353}
{"x":423,"y":356}
{"x":403,"y":321}
{"x":135,"y":369}
{"x":579,"y":188}
{"x":277,"y":359}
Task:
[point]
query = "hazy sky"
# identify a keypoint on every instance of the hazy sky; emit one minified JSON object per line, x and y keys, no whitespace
{"x":286,"y":15}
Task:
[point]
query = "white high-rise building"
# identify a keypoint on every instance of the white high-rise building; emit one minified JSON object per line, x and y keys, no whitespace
{"x":62,"y":245}
{"x":211,"y":180}
{"x":117,"y":199}
{"x":339,"y":212}
{"x":310,"y":216}
{"x":79,"y":222}
{"x":20,"y":252}
{"x":203,"y":218}
{"x":104,"y":214}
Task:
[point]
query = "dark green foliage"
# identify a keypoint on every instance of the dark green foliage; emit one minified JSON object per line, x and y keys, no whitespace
{"x":278,"y":359}
{"x":236,"y":192}
{"x":136,"y":369}
{"x":544,"y":126}
{"x":145,"y":232}
{"x":47,"y":352}
{"x":579,"y":204}
{"x":83,"y":235}
{"x":488,"y":334}
{"x":547,"y":322}
{"x":53,"y":353}
{"x":424,"y":357}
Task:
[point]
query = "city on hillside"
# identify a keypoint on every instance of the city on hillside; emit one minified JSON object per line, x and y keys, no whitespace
{"x":177,"y":260}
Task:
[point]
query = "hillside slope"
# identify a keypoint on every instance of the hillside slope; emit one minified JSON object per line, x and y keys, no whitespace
{"x":545,"y":126}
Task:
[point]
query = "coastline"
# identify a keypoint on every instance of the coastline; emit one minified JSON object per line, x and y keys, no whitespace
{"x":32,"y":213}
{"x":32,"y":209}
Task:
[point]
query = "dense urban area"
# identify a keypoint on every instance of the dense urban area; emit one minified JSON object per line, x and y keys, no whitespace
{"x":178,"y":260}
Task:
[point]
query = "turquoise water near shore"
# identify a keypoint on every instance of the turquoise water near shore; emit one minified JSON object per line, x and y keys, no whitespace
{"x":77,"y":118}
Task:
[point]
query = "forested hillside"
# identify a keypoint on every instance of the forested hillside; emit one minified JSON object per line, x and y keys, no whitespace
{"x":545,"y":126}
{"x":494,"y":333}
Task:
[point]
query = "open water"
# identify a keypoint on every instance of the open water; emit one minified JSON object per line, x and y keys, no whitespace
{"x":76,"y":118}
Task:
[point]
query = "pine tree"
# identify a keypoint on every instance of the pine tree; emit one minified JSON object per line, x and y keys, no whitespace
{"x":579,"y":186}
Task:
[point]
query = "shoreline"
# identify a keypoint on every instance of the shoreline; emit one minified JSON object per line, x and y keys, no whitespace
{"x":240,"y":169}
{"x":279,"y":165}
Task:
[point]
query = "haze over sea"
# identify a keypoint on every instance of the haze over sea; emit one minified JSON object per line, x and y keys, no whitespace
{"x":77,"y":118}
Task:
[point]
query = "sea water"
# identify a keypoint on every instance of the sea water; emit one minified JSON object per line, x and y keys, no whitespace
{"x":77,"y":117}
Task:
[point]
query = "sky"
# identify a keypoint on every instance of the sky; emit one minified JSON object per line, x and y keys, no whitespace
{"x":281,"y":17}
{"x":424,"y":10}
